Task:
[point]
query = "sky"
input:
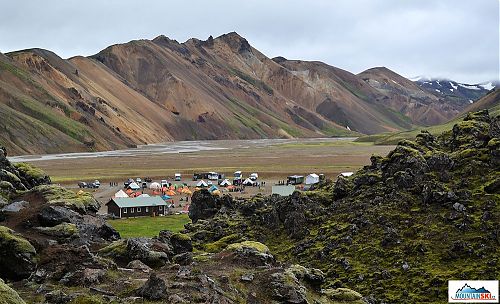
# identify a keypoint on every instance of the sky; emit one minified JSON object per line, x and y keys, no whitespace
{"x":453,"y":39}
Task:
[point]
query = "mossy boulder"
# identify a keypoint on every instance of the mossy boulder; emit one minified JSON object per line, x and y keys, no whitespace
{"x":59,"y":196}
{"x":344,"y":295}
{"x":251,"y":245}
{"x":250,"y":253}
{"x":17,"y":255}
{"x":181,"y":243}
{"x":9,"y":295}
{"x":63,"y":230}
{"x":32,"y":176}
{"x":142,"y":249}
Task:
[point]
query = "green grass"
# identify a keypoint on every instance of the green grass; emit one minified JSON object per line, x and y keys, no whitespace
{"x":149,"y":226}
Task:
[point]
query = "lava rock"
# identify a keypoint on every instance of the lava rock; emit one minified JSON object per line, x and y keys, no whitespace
{"x":155,"y":288}
{"x":17,"y":255}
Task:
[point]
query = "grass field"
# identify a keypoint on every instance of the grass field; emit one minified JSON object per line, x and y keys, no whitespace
{"x":149,"y":226}
{"x":271,"y":162}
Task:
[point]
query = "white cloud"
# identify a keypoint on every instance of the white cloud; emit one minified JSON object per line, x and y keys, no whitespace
{"x":457,"y":39}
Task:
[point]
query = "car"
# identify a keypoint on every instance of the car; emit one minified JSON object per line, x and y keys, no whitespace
{"x":138,"y":180}
{"x":98,"y":183}
{"x":148,"y":179}
{"x":177,"y":177}
{"x":128,"y":182}
{"x":82,"y":185}
{"x":164,"y":183}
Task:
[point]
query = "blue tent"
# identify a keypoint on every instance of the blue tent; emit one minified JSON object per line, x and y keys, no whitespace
{"x":166,"y":197}
{"x":213,"y":188}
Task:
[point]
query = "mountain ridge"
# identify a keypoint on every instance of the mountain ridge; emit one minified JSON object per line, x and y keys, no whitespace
{"x":149,"y":91}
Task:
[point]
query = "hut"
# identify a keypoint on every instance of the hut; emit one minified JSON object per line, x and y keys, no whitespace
{"x":122,"y":207}
{"x":312,"y":179}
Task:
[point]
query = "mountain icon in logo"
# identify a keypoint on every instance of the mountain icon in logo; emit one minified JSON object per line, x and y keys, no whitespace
{"x":468,"y":293}
{"x":468,"y":289}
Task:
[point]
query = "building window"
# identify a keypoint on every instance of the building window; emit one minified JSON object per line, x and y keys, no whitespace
{"x":147,"y":209}
{"x":124,"y":210}
{"x":138,"y":209}
{"x":160,"y":208}
{"x":131,"y":210}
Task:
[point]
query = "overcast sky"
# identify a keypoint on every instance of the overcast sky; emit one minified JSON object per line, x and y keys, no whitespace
{"x":456,"y":39}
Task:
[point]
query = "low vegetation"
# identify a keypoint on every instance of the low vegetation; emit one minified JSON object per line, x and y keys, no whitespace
{"x":149,"y":226}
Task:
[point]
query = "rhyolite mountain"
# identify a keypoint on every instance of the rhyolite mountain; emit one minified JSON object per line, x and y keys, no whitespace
{"x":149,"y":91}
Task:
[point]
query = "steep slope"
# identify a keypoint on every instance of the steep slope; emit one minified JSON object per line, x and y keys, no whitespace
{"x":397,"y":230}
{"x":490,"y":102}
{"x":150,"y":91}
{"x":406,"y":97}
{"x":342,"y":96}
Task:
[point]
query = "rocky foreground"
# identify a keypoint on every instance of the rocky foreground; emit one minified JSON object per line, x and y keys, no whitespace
{"x":395,"y":232}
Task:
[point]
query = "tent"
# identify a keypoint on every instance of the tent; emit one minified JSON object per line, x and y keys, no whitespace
{"x":129,"y":191}
{"x":202,"y":183}
{"x":121,"y":193}
{"x":155,"y":186}
{"x":134,"y":186}
{"x":225,"y":183}
{"x":231,"y":187}
{"x":166,"y":197}
{"x":248,"y":182}
{"x":346,"y":174}
{"x":144,"y":195}
{"x":312,"y":178}
{"x":216,"y":192}
{"x":170,"y":192}
{"x":213,"y":188}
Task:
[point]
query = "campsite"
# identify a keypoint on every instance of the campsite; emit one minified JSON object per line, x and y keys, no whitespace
{"x":231,"y":163}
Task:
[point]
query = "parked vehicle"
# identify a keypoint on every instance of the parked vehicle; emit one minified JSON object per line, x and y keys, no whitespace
{"x":148,"y":179}
{"x":128,"y":182}
{"x":144,"y":185}
{"x":164,"y":183}
{"x":82,"y":185}
{"x":177,"y":177}
{"x":254,"y":176}
{"x":97,"y":183}
{"x":138,"y":180}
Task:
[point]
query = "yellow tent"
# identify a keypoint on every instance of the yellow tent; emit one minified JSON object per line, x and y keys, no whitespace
{"x":80,"y":192}
{"x":216,"y":192}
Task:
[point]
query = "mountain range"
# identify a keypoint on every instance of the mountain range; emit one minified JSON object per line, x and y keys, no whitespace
{"x":149,"y":91}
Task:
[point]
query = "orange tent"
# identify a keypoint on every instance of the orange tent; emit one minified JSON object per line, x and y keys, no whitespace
{"x":230,"y":187}
{"x":170,"y":192}
{"x":129,"y":191}
{"x":156,"y":193}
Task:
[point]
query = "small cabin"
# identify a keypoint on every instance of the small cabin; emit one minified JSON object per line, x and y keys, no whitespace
{"x":123,"y":207}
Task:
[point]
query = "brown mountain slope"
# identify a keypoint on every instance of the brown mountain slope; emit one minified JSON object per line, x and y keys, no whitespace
{"x":406,"y":97}
{"x":490,"y":101}
{"x":158,"y":90}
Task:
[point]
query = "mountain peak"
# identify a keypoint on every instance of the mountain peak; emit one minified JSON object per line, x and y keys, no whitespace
{"x":236,"y":42}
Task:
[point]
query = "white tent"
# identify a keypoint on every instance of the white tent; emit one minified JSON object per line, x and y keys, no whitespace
{"x":134,"y":186}
{"x":248,"y":182}
{"x":225,"y":183}
{"x":144,"y":195}
{"x":346,"y":174}
{"x":202,"y":183}
{"x":155,"y":186}
{"x":312,"y":178}
{"x":121,"y":193}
